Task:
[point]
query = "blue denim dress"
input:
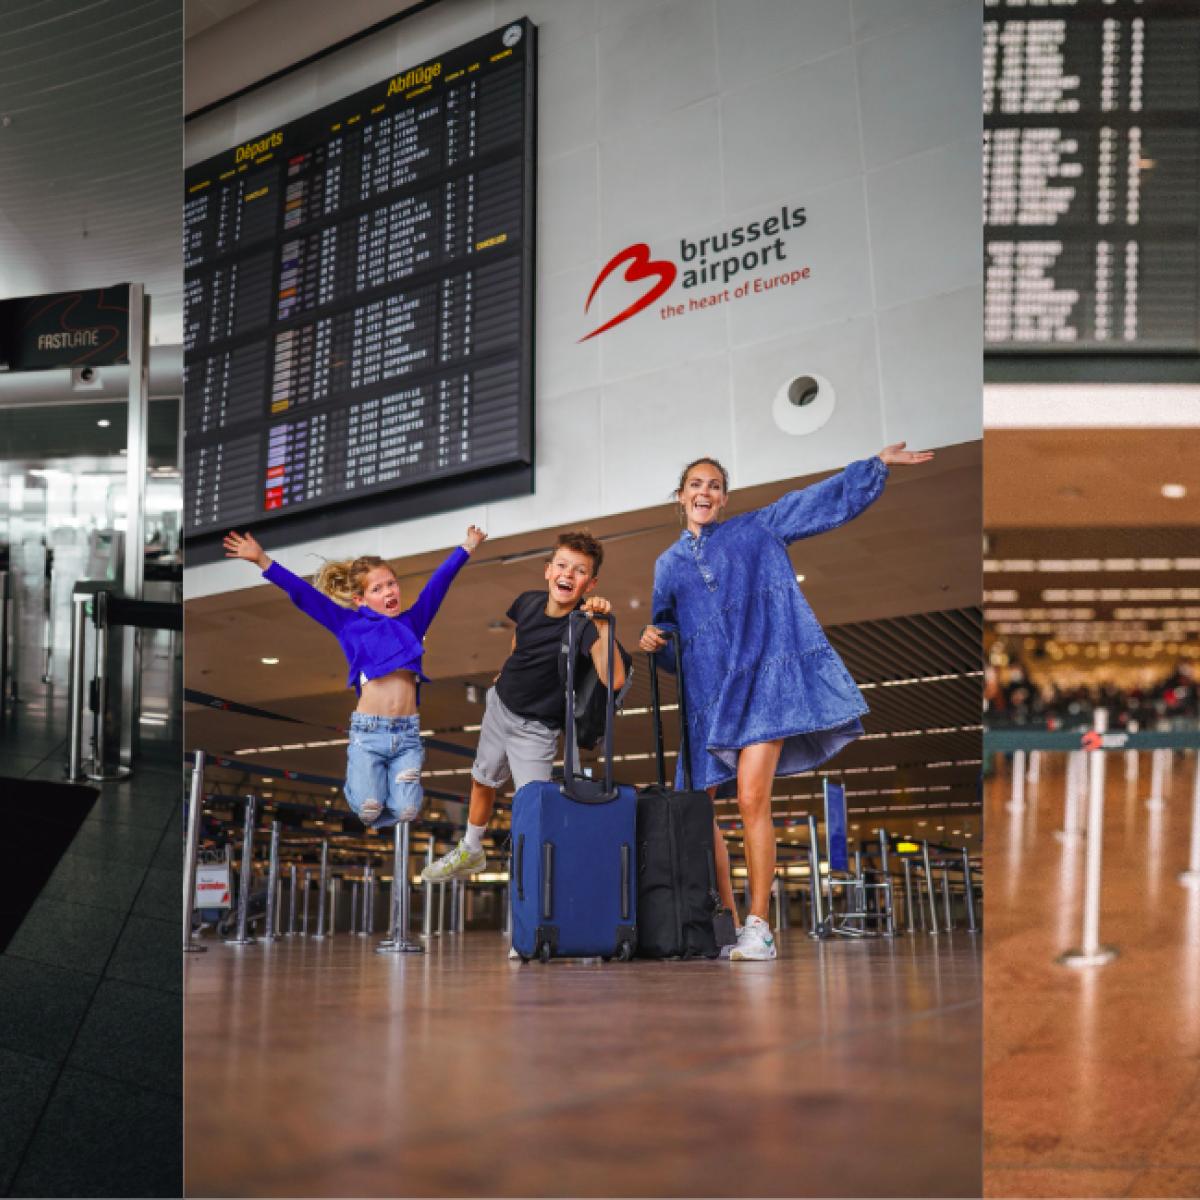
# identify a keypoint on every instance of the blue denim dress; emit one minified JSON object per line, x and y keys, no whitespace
{"x":756,"y":664}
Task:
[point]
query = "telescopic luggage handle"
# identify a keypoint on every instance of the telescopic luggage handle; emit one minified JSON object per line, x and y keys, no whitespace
{"x":578,"y":787}
{"x":672,"y":635}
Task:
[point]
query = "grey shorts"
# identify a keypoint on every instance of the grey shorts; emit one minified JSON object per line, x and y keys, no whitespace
{"x":512,"y":747}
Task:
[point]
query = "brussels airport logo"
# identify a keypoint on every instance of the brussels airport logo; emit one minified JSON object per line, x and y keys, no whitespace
{"x":724,"y":259}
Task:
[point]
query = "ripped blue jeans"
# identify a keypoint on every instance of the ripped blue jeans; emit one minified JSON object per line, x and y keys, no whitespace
{"x":383,"y":769}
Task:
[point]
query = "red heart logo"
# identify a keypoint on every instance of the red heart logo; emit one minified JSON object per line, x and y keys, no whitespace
{"x":641,"y":266}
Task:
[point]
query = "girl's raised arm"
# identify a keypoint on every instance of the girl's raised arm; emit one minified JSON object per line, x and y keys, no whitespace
{"x":420,"y":615}
{"x":302,"y":594}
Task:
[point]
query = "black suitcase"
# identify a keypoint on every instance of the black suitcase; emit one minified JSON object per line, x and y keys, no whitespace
{"x":676,"y":870}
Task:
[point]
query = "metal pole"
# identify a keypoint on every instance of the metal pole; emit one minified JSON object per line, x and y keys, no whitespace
{"x":369,"y":903}
{"x":441,"y":911}
{"x":946,"y":897}
{"x":455,"y":904}
{"x":1074,"y":785}
{"x":322,"y":884}
{"x":4,"y":665}
{"x":1035,"y":766}
{"x":291,"y":929}
{"x":277,"y":928}
{"x":136,"y":463}
{"x":246,"y":877}
{"x":75,"y":688}
{"x":1091,"y":952}
{"x":1191,"y":877}
{"x":269,"y":934}
{"x":885,"y":865}
{"x":909,"y":911}
{"x":399,"y":942}
{"x":933,"y":925}
{"x":1131,"y":756}
{"x":427,"y":910}
{"x":460,"y":926}
{"x":304,"y":903}
{"x":1158,"y":777}
{"x":195,"y":816}
{"x":814,"y":876}
{"x":354,"y":890}
{"x":972,"y":925}
{"x":335,"y":891}
{"x":1017,"y":803}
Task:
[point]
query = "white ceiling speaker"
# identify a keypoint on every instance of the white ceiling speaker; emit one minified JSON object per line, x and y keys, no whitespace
{"x":803,"y":404}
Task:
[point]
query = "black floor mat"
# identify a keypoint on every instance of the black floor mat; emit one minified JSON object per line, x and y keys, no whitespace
{"x":38,"y":821}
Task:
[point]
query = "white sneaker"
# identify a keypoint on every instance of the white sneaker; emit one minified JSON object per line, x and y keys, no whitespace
{"x":755,"y":942}
{"x":457,"y":863}
{"x":512,"y":952}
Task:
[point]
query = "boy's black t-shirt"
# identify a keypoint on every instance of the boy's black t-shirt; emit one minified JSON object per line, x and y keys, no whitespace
{"x":529,"y":682}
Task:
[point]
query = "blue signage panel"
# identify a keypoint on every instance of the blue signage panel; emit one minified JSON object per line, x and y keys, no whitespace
{"x":836,"y":849}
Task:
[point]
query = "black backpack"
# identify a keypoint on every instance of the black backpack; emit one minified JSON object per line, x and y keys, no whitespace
{"x":591,"y":696}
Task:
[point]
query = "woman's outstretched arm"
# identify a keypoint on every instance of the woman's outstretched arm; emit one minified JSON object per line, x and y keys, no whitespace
{"x":840,"y":498}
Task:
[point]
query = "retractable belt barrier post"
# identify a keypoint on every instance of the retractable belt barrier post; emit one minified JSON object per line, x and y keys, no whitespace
{"x":243,"y":938}
{"x":108,"y":610}
{"x":291,"y":929}
{"x":1017,"y":803}
{"x":335,"y":891}
{"x":304,"y":903}
{"x":355,"y":888}
{"x":929,"y":888}
{"x":946,"y":899}
{"x":1191,"y":877}
{"x":269,"y":934}
{"x":1158,"y":777}
{"x":7,"y":623}
{"x":368,"y":928}
{"x":399,"y":942}
{"x":819,"y":927}
{"x":972,"y":925}
{"x":1091,"y":952}
{"x":909,"y":912}
{"x":195,"y":815}
{"x":427,"y":909}
{"x":321,"y":888}
{"x":888,"y":891}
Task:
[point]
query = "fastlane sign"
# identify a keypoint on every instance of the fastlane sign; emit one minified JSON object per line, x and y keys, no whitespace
{"x":67,"y":329}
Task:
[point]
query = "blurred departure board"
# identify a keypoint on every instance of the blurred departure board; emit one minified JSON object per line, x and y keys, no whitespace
{"x":1091,"y":183}
{"x":359,"y":296}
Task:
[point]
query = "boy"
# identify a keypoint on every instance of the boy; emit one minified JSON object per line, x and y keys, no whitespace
{"x":518,"y":738}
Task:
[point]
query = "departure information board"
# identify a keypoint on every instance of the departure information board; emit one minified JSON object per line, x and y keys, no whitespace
{"x":1092,"y":176}
{"x":359,"y":299}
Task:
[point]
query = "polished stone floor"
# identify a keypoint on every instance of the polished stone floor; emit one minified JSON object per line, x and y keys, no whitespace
{"x":1092,"y":1076}
{"x":842,"y":1069}
{"x":90,"y":1020}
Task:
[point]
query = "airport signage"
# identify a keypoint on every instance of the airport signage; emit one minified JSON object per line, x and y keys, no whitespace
{"x":65,"y":329}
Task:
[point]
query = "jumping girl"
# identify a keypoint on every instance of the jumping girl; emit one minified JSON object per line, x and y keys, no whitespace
{"x":359,"y":602}
{"x":766,"y":693}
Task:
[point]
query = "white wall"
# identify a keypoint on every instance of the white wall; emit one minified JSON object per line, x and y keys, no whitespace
{"x":669,"y":119}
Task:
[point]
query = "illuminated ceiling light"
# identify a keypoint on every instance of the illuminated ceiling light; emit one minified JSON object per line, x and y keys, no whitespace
{"x":1174,"y":491}
{"x":270,"y":662}
{"x":104,"y":423}
{"x":799,"y":578}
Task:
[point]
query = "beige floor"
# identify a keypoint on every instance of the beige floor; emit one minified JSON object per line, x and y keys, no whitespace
{"x":322,"y":1069}
{"x":1092,"y":1076}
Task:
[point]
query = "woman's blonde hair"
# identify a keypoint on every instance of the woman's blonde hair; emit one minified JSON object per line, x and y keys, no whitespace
{"x":346,"y":578}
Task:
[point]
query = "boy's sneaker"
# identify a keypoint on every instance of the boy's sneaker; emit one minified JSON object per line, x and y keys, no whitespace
{"x":755,"y":942}
{"x":457,"y":863}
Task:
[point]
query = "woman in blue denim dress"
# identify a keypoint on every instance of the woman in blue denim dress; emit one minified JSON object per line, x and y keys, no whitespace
{"x":358,"y":601}
{"x":766,"y":693}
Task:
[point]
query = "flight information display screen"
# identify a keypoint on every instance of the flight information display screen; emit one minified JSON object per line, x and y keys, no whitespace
{"x":1091,"y":184}
{"x":359,"y":297}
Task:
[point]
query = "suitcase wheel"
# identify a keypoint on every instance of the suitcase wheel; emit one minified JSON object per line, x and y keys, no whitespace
{"x":624,"y":952}
{"x":544,"y":952}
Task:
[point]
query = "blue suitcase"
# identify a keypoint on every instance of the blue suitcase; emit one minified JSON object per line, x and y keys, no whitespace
{"x":574,"y":882}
